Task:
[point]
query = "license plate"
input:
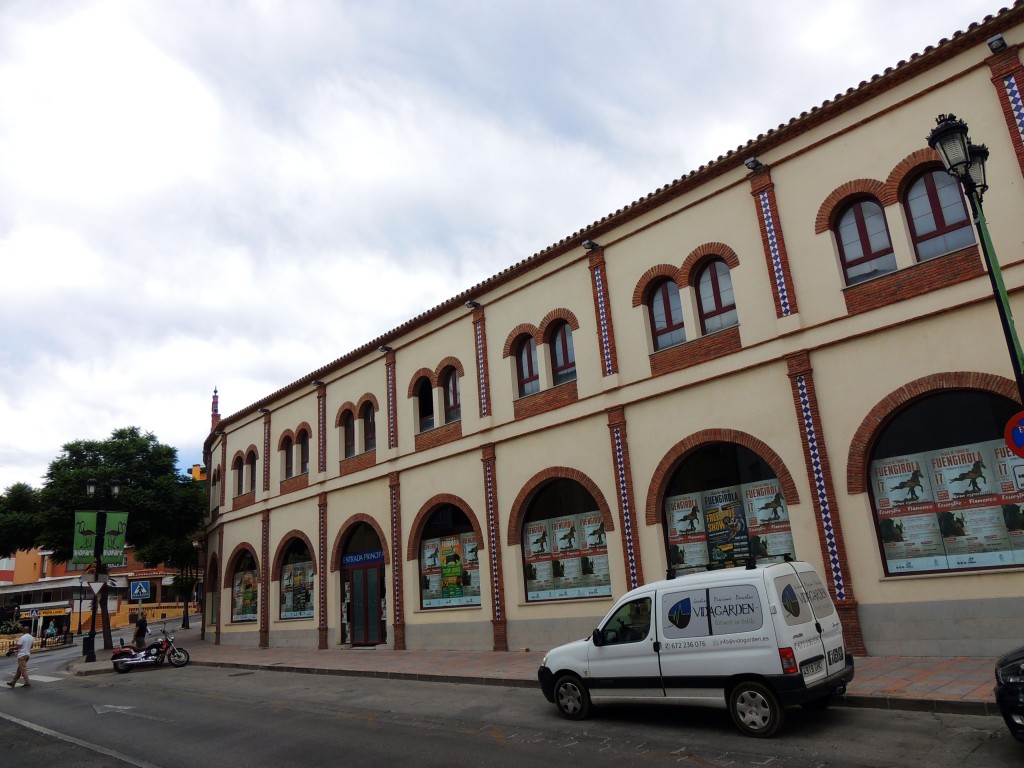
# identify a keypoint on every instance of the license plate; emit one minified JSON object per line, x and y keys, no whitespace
{"x":812,"y":668}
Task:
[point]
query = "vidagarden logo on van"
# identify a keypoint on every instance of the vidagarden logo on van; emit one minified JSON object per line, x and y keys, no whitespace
{"x":790,"y":601}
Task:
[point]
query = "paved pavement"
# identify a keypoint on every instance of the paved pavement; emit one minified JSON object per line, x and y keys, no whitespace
{"x":958,"y":685}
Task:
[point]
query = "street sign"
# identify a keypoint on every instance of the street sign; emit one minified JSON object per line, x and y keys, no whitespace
{"x":140,"y":590}
{"x":1014,"y":434}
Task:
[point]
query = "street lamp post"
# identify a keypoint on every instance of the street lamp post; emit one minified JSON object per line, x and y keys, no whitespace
{"x":965,"y":162}
{"x":89,"y":644}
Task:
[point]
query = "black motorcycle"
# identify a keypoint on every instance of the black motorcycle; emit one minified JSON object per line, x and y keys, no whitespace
{"x":163,"y":648}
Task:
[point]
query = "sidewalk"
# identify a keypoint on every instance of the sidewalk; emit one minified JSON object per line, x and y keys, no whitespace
{"x":959,"y":685}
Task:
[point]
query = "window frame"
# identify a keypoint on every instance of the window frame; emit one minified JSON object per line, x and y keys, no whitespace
{"x":239,"y":467}
{"x":561,"y":345}
{"x":527,"y":370}
{"x":250,"y":464}
{"x":303,"y":441}
{"x":452,"y":396}
{"x":672,"y":331}
{"x":369,"y":418}
{"x":423,"y":391}
{"x":710,"y":270}
{"x":348,"y":435}
{"x":288,"y":449}
{"x":942,"y":228}
{"x":856,"y":208}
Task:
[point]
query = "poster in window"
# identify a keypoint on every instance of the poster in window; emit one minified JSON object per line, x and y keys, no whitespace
{"x":297,"y":590}
{"x":595,"y":576}
{"x":687,"y":540}
{"x":912,"y":543}
{"x":976,"y":538}
{"x":769,"y":528}
{"x":245,"y":595}
{"x":902,"y":482}
{"x":725,"y":521}
{"x":470,"y":569}
{"x":566,"y":569}
{"x":539,"y":576}
{"x":963,"y":474}
{"x":430,"y":572}
{"x":452,"y":587}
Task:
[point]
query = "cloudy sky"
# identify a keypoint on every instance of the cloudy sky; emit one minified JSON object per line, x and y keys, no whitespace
{"x":233,"y":194}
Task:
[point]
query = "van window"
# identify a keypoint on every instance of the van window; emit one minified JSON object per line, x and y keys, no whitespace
{"x":735,"y":609}
{"x":685,"y":614}
{"x":817,"y":594}
{"x":630,"y":623}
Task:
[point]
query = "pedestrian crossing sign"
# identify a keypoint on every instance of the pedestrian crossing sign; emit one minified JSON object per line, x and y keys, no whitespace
{"x":140,"y":590}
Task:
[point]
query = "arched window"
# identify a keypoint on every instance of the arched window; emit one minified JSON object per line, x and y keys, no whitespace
{"x":348,"y":432}
{"x":943,"y":487}
{"x":452,"y":402}
{"x":937,"y":215}
{"x":212,"y":595}
{"x":424,"y":404}
{"x":303,"y":440}
{"x":717,"y":301}
{"x":565,"y":547}
{"x":449,"y":561}
{"x":526,"y":366}
{"x":245,"y":592}
{"x":250,"y":468}
{"x":863,"y":239}
{"x":239,"y":470}
{"x":296,"y":580}
{"x":723,"y":505}
{"x":289,"y":458}
{"x":563,"y":356}
{"x":369,"y":426}
{"x":666,"y":314}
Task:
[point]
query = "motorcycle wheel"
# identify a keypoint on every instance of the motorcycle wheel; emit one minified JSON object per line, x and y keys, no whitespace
{"x":178,"y":657}
{"x":121,"y":666}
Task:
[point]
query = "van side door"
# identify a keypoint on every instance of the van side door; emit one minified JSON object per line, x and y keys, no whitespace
{"x":827,"y":616}
{"x":623,"y":660}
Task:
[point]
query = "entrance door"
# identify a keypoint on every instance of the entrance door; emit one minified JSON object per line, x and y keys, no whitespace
{"x":365,"y":608}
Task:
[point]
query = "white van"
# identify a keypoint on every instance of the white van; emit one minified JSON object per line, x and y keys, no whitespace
{"x":752,"y":639}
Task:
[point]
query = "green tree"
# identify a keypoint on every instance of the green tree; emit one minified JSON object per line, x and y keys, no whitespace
{"x":19,"y":508}
{"x":164,"y":507}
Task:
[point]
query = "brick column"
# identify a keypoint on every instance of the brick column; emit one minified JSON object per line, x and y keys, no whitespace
{"x":1008,"y":79}
{"x":321,"y":428}
{"x":397,"y":558}
{"x":266,"y":451}
{"x":819,"y":475}
{"x":265,"y":580}
{"x":389,"y":362}
{"x":323,"y":570}
{"x":624,"y":489}
{"x":222,"y":577}
{"x":483,"y":378}
{"x":499,"y":623}
{"x":603,"y":313}
{"x":763,"y":190}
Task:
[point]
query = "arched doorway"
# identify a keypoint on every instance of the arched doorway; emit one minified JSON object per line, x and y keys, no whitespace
{"x":363,"y":588}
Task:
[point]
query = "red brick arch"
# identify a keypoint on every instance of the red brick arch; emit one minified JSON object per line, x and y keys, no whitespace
{"x":420,"y":521}
{"x":448,"y":362}
{"x":283,"y":435}
{"x":347,"y":528}
{"x":282,"y":547}
{"x":677,"y":454}
{"x":348,"y":405}
{"x":236,"y":553}
{"x":422,"y":373}
{"x":529,"y":490}
{"x":653,"y":274}
{"x":870,"y":428}
{"x":523,"y":329}
{"x":837,"y":198}
{"x":555,"y":316}
{"x":699,"y":255}
{"x":211,"y":574}
{"x":896,"y":182}
{"x":367,"y":398}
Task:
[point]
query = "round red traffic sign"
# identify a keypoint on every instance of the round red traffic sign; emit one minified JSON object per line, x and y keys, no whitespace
{"x":1014,"y":434}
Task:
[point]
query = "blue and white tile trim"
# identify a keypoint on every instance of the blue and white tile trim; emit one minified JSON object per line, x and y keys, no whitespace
{"x":396,"y":554}
{"x":1013,"y":94}
{"x":819,"y":487}
{"x":627,"y":513}
{"x":773,"y":245}
{"x":391,"y":407}
{"x":321,"y":425}
{"x":492,"y":538}
{"x":481,"y":379}
{"x":602,"y":320}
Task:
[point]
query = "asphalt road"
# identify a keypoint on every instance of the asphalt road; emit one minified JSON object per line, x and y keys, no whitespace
{"x":205,"y":716}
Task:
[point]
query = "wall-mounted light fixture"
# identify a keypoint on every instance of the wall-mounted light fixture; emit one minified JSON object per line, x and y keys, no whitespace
{"x":317,"y":383}
{"x":384,"y":348}
{"x":997,"y":44}
{"x":753,"y":164}
{"x":473,"y":304}
{"x":264,"y":410}
{"x":590,"y":245}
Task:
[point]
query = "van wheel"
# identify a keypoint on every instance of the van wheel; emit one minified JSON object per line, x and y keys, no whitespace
{"x":755,"y":709}
{"x":572,"y":698}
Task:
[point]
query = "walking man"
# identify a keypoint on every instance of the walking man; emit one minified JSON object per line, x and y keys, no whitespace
{"x":24,"y":645}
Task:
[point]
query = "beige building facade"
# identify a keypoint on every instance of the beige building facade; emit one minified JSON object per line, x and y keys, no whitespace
{"x":792,"y":351}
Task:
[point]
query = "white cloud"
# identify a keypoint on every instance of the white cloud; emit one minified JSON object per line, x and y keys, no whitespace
{"x":176,"y":175}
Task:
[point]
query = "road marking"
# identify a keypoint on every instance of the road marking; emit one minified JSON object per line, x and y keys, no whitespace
{"x":102,"y":709}
{"x":72,"y":740}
